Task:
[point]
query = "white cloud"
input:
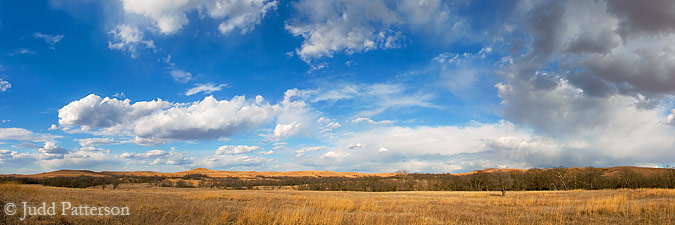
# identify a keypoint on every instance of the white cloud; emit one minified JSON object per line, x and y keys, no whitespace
{"x":447,"y":140}
{"x":229,"y":161}
{"x":295,"y":117}
{"x":287,"y":130}
{"x":52,"y":151}
{"x":302,"y":151}
{"x":14,"y":158}
{"x":671,"y":118}
{"x":155,"y":153}
{"x":332,"y":26}
{"x":370,"y":99}
{"x":169,"y":17}
{"x":4,"y":85}
{"x":84,"y":158}
{"x":328,"y":124}
{"x":609,"y":70}
{"x":453,"y":148}
{"x":235,"y":149}
{"x":21,"y":134}
{"x":93,"y":149}
{"x":355,"y":146}
{"x":335,"y":155}
{"x":181,"y":76}
{"x":600,"y":45}
{"x":154,"y":122}
{"x":129,"y":38}
{"x":95,"y":141}
{"x":279,"y":145}
{"x":115,"y":115}
{"x":207,"y":88}
{"x":202,"y":120}
{"x":270,"y":152}
{"x":49,"y":39}
{"x":370,"y":121}
{"x":357,"y":26}
{"x":22,"y":51}
{"x":244,"y":15}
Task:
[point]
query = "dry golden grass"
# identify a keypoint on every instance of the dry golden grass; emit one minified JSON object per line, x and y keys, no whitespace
{"x":153,"y":205}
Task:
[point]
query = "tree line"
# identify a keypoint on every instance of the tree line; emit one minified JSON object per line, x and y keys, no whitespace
{"x":529,"y":180}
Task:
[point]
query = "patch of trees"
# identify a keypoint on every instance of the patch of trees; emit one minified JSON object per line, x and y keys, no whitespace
{"x":80,"y":182}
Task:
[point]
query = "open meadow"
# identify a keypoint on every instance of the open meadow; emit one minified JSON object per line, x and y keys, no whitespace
{"x":169,"y":205}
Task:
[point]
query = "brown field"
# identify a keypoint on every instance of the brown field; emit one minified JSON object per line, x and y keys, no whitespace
{"x":156,"y":205}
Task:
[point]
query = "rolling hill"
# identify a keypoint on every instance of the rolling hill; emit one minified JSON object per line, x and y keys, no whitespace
{"x":608,"y":171}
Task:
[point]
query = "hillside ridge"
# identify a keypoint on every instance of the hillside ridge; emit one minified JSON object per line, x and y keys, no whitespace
{"x":309,"y":173}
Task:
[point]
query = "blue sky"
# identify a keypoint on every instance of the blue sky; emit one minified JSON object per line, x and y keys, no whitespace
{"x":376,"y":86}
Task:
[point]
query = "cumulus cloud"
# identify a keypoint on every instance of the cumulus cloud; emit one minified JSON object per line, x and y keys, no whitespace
{"x":607,"y":71}
{"x":477,"y":146}
{"x":350,"y":26}
{"x":170,"y":17}
{"x":207,"y":88}
{"x":206,"y":119}
{"x":52,"y":151}
{"x":14,"y":158}
{"x":295,"y":116}
{"x":604,"y":47}
{"x":93,"y":112}
{"x":21,"y":134}
{"x":84,"y":158}
{"x":4,"y":85}
{"x":608,"y":67}
{"x":236,"y":149}
{"x":671,"y":118}
{"x":154,"y":122}
{"x":130,"y":39}
{"x":287,"y":130}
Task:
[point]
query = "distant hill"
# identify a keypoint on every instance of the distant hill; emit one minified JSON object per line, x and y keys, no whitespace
{"x":204,"y":171}
{"x":608,"y":171}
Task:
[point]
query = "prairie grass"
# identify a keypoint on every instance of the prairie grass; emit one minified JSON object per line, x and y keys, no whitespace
{"x":157,"y":205}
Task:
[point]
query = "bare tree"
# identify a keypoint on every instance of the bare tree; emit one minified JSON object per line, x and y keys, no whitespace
{"x":502,"y":180}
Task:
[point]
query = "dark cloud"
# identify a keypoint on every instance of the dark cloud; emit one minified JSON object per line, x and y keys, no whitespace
{"x":653,"y":16}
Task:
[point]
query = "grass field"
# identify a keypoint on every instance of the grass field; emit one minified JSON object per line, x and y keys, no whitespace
{"x":156,"y":205}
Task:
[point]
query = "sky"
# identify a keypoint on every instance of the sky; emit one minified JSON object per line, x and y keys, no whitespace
{"x":343,"y":85}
